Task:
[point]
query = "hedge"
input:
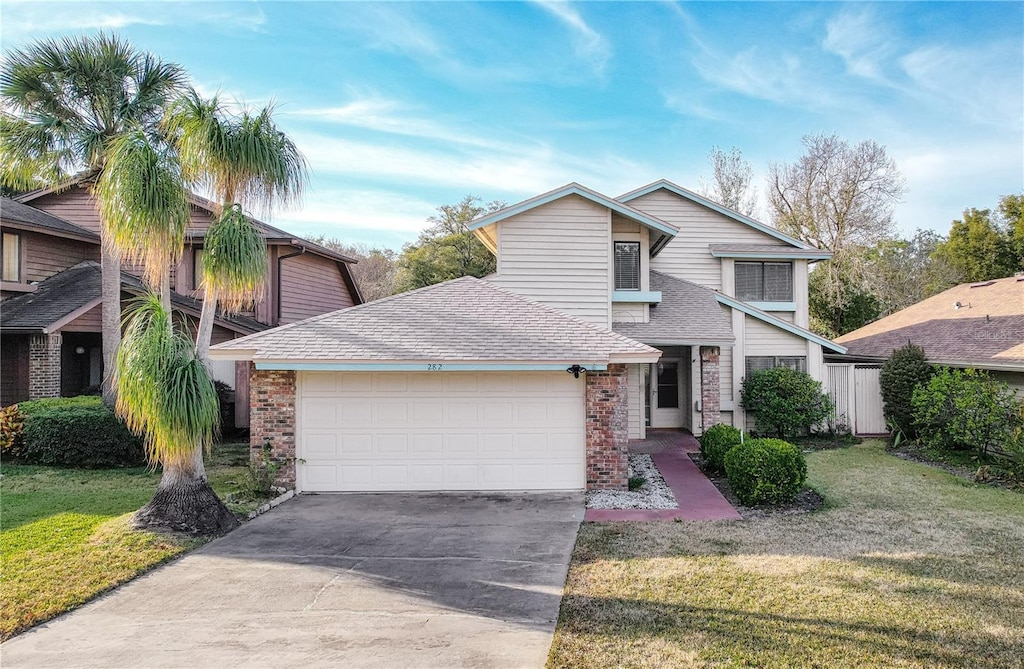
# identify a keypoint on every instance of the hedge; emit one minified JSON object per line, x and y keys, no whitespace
{"x":78,"y":434}
{"x":765,"y":471}
{"x":716,"y":441}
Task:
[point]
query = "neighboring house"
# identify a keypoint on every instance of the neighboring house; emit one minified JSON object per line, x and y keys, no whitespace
{"x":979,"y":325}
{"x":50,"y":316}
{"x":665,"y":299}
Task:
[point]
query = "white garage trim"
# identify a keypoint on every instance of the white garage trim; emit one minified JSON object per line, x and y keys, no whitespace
{"x":480,"y":430}
{"x":424,"y":367}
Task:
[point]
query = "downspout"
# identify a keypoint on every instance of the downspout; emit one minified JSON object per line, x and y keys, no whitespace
{"x":302,"y":250}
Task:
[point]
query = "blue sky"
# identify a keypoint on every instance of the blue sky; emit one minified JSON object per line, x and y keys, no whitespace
{"x":401,"y":107}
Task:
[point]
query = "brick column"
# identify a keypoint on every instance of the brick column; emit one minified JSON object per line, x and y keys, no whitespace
{"x":710,"y":389}
{"x":44,"y":366}
{"x":607,"y":429}
{"x":272,"y":418}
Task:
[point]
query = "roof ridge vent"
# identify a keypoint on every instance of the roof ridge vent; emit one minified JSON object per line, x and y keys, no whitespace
{"x":982,"y":284}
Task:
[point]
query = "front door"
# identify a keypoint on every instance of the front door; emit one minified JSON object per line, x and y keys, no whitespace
{"x":666,"y":398}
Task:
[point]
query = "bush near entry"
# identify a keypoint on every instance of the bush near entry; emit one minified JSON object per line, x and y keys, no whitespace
{"x":765,"y":471}
{"x":716,"y":441}
{"x":965,"y":409}
{"x":905,"y":370}
{"x":785,"y":402}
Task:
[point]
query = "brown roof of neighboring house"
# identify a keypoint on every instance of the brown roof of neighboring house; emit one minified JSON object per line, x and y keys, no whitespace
{"x":688,"y":314}
{"x":26,"y":217}
{"x":980,"y":323}
{"x":68,"y":294}
{"x":465,"y":320}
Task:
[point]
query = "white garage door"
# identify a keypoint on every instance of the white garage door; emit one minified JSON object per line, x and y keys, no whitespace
{"x":389,"y":431}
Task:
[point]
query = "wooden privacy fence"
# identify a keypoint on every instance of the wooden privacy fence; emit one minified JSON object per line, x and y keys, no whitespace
{"x":856,"y":391}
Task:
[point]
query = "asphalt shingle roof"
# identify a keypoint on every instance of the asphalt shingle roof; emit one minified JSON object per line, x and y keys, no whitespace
{"x":463,"y":320}
{"x":74,"y":288}
{"x":987,"y":327}
{"x":16,"y":212}
{"x":687,"y":314}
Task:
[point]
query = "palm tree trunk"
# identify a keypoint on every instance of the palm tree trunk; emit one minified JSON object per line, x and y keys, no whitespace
{"x":111,"y":319}
{"x":185,"y":502}
{"x":206,"y":318}
{"x":165,"y":289}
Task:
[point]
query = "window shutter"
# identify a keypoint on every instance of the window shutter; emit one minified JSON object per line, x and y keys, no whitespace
{"x":627,"y":265}
{"x":748,"y":281}
{"x":778,"y":282}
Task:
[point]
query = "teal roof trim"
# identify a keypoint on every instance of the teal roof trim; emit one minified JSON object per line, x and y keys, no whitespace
{"x":586,"y":193}
{"x":796,"y":254}
{"x":779,"y":323}
{"x":703,"y":201}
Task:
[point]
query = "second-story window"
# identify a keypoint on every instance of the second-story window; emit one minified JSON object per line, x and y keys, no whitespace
{"x":10,"y":265}
{"x":764,"y":281}
{"x":627,"y":265}
{"x":197,"y":268}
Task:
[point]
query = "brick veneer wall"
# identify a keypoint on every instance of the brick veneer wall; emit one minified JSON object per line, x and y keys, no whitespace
{"x":710,"y":397}
{"x":44,"y":366}
{"x":272,"y":418}
{"x":607,"y":429}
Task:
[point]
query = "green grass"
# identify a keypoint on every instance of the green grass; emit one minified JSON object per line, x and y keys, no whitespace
{"x":906,"y":566}
{"x":65,"y":535}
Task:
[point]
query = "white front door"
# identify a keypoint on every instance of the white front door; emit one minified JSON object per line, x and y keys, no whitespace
{"x":666,"y":393}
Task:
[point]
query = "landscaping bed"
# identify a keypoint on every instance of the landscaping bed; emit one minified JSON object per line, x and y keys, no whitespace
{"x":807,"y":499}
{"x":66,"y":539}
{"x":966,"y":465}
{"x":652,"y":493}
{"x":906,"y":566}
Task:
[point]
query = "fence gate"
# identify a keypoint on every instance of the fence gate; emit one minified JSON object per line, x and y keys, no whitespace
{"x":870,"y":418}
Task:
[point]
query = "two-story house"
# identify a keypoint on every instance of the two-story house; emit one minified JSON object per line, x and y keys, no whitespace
{"x":605,"y":317}
{"x":50,"y":314}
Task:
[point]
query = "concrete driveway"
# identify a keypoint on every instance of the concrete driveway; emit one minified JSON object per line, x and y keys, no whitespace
{"x":395,"y":580}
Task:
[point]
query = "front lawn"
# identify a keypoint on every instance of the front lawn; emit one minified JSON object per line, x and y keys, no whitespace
{"x":65,"y":535}
{"x":907,"y":566}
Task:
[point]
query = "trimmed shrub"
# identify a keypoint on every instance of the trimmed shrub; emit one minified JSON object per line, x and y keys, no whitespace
{"x":80,"y":436}
{"x":12,"y":432}
{"x":716,"y":441}
{"x":765,"y":471}
{"x":964,"y":409}
{"x":905,"y":370}
{"x":55,"y":403}
{"x":785,"y":402}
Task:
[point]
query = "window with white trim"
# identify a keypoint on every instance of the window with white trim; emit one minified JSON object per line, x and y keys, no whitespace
{"x":10,"y":265}
{"x":764,"y":281}
{"x":755,"y":363}
{"x":627,"y":265}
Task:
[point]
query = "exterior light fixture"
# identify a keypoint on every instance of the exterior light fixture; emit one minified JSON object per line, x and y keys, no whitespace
{"x":575,"y":370}
{"x":80,"y":350}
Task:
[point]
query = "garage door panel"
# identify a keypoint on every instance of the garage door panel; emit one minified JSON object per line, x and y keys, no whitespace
{"x":440,"y":431}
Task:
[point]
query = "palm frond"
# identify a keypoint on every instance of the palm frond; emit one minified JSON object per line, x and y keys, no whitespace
{"x":234,"y":260}
{"x":143,"y":202}
{"x":165,"y":393}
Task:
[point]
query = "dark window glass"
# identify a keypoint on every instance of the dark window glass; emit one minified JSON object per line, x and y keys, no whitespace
{"x":668,"y":385}
{"x":627,"y":265}
{"x":764,"y":281}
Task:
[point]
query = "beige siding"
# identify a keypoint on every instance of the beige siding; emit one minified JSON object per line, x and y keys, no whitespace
{"x":628,"y":312}
{"x":725,"y":376}
{"x":559,"y":255}
{"x":687,"y":256}
{"x":764,"y":339}
{"x":45,"y":255}
{"x":311,"y":285}
{"x":635,"y":397}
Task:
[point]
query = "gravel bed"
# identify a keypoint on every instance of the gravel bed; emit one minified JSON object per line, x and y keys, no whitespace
{"x":653,"y":494}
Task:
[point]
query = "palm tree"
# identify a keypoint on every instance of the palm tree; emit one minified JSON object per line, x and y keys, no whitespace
{"x":247,"y":162}
{"x":64,"y":103}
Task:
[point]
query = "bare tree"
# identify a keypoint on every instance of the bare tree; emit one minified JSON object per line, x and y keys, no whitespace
{"x":731,"y":182}
{"x":376,"y":270}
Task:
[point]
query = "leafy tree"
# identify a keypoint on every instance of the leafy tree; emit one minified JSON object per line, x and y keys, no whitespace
{"x":838,"y":197}
{"x":902,"y":272}
{"x":905,"y":370}
{"x":1011,"y":210}
{"x":978,"y":248}
{"x":854,"y":308}
{"x":447,"y":249}
{"x":784,"y":401}
{"x":64,"y":103}
{"x":731,"y":181}
{"x":376,"y":270}
{"x":247,"y":162}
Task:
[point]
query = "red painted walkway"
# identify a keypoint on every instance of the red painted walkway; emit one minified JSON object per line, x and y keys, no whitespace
{"x":697,"y":496}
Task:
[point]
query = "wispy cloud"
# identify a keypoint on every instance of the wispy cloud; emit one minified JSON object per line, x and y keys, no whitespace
{"x":860,"y":38}
{"x":25,"y":18}
{"x":589,"y":44}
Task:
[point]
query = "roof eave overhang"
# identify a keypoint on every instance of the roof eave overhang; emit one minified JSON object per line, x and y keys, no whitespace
{"x":714,"y":206}
{"x":795,"y":254}
{"x":84,"y":236}
{"x":666,"y":341}
{"x":779,"y":323}
{"x":665,"y":229}
{"x":432,"y":366}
